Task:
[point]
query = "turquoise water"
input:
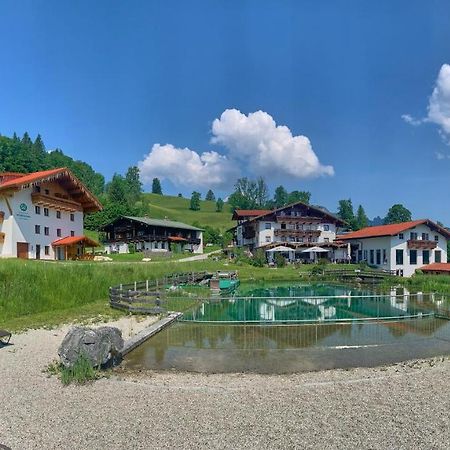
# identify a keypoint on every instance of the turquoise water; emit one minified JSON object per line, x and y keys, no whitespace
{"x":283,"y":329}
{"x":307,"y":303}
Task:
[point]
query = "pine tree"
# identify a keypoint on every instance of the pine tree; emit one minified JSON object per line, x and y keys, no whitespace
{"x":195,"y":201}
{"x":38,"y":145}
{"x":362,"y":220}
{"x":210,"y":196}
{"x":134,"y":185}
{"x":219,"y":205}
{"x":281,"y":196}
{"x":156,"y":186}
{"x":345,"y":212}
{"x":26,"y":140}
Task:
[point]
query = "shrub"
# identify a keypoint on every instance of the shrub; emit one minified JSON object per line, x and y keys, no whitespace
{"x":280,"y":260}
{"x":132,"y":248}
{"x":259,"y":258}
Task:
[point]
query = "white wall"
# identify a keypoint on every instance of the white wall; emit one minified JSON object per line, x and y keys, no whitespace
{"x":20,"y":226}
{"x":394,"y":243}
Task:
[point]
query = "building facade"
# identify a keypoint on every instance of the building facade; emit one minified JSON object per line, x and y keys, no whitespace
{"x":402,"y":247}
{"x":40,"y":211}
{"x":147,"y":234}
{"x":297,"y":226}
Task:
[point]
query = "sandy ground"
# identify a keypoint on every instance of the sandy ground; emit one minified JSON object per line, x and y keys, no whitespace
{"x":404,"y":406}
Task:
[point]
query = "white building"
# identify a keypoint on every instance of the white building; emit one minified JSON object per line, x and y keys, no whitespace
{"x":41,"y":215}
{"x":402,"y":247}
{"x":148,"y":234}
{"x":298,"y":226}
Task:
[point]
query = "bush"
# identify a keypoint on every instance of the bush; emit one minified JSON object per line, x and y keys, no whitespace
{"x":280,"y":260}
{"x":259,"y":259}
{"x":131,"y":248}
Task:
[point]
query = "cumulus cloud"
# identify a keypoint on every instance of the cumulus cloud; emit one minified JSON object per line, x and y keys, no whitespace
{"x":255,"y":139}
{"x":438,"y":105}
{"x":186,"y":167}
{"x":442,"y":156}
{"x":253,"y":144}
{"x":409,"y":119}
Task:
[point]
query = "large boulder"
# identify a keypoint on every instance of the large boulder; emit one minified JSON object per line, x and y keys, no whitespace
{"x":101,"y":346}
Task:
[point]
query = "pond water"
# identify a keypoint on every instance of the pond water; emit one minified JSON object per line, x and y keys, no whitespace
{"x":283,"y":329}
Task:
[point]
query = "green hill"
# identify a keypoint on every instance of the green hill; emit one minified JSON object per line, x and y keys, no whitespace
{"x":177,"y":208}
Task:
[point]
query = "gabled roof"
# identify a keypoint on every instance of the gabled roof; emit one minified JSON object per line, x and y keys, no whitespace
{"x":392,"y":230}
{"x":74,"y":186}
{"x":71,"y":240}
{"x":163,"y":223}
{"x":242,"y":213}
{"x":314,"y":209}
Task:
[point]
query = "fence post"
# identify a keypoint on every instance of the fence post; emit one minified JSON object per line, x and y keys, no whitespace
{"x":146,"y":285}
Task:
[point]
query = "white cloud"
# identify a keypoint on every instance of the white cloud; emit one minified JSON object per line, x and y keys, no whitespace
{"x":254,"y":144}
{"x":185,"y":167}
{"x":438,"y":105}
{"x":409,"y":119}
{"x":266,"y":148}
{"x":441,"y":156}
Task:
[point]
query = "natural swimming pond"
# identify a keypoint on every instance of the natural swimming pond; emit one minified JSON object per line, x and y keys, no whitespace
{"x":285,"y":328}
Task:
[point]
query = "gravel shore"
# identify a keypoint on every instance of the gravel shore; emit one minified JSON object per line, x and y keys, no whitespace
{"x":403,"y":406}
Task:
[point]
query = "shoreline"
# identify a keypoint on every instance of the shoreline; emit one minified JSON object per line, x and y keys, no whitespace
{"x":403,"y":405}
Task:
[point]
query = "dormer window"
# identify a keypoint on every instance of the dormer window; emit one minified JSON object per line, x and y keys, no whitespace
{"x":400,"y":236}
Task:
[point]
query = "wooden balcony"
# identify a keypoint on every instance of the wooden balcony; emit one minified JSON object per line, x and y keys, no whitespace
{"x":49,"y":201}
{"x":248,"y":233}
{"x":2,"y":238}
{"x":299,"y":219}
{"x":2,"y":216}
{"x":298,"y":233}
{"x":421,"y":244}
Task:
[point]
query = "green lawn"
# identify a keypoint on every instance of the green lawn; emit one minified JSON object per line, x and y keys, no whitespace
{"x":177,"y":208}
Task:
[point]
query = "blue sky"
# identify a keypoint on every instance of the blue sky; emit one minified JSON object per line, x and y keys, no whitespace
{"x":107,"y":81}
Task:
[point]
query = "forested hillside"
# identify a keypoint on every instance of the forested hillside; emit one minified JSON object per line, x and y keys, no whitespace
{"x":23,"y":155}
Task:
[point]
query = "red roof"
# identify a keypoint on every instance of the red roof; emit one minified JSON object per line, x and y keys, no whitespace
{"x":392,"y":230}
{"x":436,"y":267}
{"x":72,"y":240}
{"x":238,"y":213}
{"x":88,"y":200}
{"x":29,"y":178}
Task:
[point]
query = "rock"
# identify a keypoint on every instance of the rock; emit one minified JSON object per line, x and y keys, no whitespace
{"x":101,"y":346}
{"x":102,"y":258}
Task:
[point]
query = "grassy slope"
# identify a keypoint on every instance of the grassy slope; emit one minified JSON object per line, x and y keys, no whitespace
{"x":176,"y":208}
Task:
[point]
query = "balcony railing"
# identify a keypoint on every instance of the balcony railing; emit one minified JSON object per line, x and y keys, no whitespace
{"x":298,"y":219}
{"x":418,"y":244}
{"x":150,"y":238}
{"x":54,"y":202}
{"x":298,"y":233}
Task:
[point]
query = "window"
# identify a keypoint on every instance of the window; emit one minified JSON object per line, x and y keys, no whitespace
{"x":37,"y":209}
{"x":72,"y":233}
{"x":326,"y":239}
{"x":413,"y":236}
{"x":384,"y":256}
{"x":326,"y":228}
{"x":426,"y":256}
{"x":436,"y":238}
{"x":365,"y":255}
{"x":413,"y":257}
{"x":47,"y":192}
{"x":46,"y":212}
{"x":58,"y":232}
{"x":72,"y":217}
{"x":399,"y":257}
{"x":58,"y":214}
{"x":37,"y":189}
{"x":283,"y":226}
{"x":37,"y":229}
{"x":46,"y":231}
{"x":371,"y":260}
{"x":267,"y":238}
{"x":438,"y":256}
{"x":47,"y":250}
{"x":425,"y":237}
{"x":359,"y":255}
{"x":400,"y":236}
{"x":378,"y":257}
